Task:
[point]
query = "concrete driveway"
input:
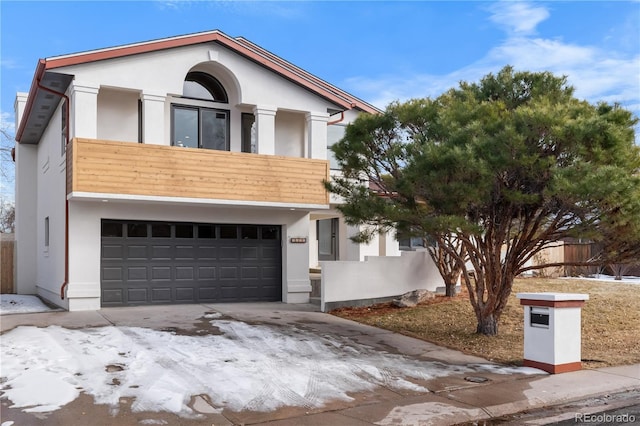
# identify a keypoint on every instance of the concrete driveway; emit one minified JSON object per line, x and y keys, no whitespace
{"x":376,"y":376}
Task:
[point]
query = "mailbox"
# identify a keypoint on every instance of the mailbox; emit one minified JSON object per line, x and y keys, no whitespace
{"x":538,"y":317}
{"x":552,"y":330}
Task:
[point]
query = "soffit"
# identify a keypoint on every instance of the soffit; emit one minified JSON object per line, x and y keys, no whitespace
{"x":44,"y":105}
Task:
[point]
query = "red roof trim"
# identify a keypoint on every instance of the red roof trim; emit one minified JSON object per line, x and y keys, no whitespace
{"x":40,"y":68}
{"x":240,"y":45}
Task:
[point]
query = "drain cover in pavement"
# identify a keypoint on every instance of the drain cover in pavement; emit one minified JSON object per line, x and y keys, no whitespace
{"x":476,"y":379}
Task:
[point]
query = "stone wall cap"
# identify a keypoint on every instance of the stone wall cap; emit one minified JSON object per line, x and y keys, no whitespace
{"x":553,"y":296}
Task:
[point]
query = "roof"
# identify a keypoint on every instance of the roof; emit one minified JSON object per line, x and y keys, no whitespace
{"x":48,"y":85}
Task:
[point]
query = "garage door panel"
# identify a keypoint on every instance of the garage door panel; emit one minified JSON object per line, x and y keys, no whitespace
{"x":184,"y":273}
{"x":249,"y":253}
{"x":161,"y":252}
{"x":270,"y":273}
{"x":250,"y":272}
{"x":206,"y":272}
{"x":112,"y":273}
{"x":137,"y":295}
{"x":112,"y":296}
{"x":207,"y":253}
{"x":162,"y":295}
{"x":160,"y":273}
{"x":185,"y":252}
{"x":113,"y":251}
{"x":137,"y":273}
{"x":228,"y":273}
{"x":229,"y":253}
{"x":230,"y":293}
{"x":185,"y":294}
{"x":173,"y":263}
{"x":270,"y":253}
{"x":208,"y":293}
{"x":137,"y":252}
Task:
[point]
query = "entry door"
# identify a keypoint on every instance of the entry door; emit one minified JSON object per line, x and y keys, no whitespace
{"x":328,"y":239}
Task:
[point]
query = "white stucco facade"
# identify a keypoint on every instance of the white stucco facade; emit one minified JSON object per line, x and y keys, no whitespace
{"x":130,"y":98}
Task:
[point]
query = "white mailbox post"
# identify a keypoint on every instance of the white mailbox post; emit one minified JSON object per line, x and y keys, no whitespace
{"x":552,"y":330}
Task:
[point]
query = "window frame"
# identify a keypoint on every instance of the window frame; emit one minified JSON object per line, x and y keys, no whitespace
{"x":333,"y":163}
{"x":199,"y":109}
{"x":47,"y":234}
{"x":63,"y":127}
{"x":209,"y":83}
{"x":246,"y":132}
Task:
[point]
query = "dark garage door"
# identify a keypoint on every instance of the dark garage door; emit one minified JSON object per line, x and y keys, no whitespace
{"x":160,"y":262}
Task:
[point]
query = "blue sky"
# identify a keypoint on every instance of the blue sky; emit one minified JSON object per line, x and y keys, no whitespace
{"x":379,"y":51}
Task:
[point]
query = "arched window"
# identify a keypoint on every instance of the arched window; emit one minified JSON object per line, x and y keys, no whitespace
{"x":197,"y":126}
{"x":200,"y":85}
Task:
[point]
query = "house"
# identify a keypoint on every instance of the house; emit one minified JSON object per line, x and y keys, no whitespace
{"x":182,"y":170}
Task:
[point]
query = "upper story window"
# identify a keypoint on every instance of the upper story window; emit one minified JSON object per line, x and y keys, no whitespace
{"x":200,"y":85}
{"x":198,"y":124}
{"x":249,"y":133}
{"x":63,"y":127}
{"x":335,"y":133}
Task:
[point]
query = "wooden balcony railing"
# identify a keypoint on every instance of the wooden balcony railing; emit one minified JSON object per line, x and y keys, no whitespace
{"x":98,"y":166}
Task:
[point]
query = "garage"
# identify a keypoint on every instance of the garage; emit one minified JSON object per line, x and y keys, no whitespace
{"x":145,"y":262}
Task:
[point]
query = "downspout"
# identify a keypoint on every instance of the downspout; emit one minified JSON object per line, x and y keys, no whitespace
{"x":66,"y":201}
{"x":329,"y":123}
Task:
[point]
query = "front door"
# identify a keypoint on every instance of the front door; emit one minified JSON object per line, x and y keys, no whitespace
{"x":327,"y":239}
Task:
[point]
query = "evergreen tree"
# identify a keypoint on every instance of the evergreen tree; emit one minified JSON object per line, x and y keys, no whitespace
{"x":493,"y":172}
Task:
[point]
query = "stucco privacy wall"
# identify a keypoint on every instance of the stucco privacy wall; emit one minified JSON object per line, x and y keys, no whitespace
{"x":348,"y":283}
{"x":84,"y":241}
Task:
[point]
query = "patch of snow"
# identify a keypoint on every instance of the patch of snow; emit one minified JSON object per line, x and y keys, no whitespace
{"x":503,"y":369}
{"x":248,"y":367}
{"x":21,"y":304}
{"x":628,"y":279}
{"x":152,"y":422}
{"x":7,"y":423}
{"x":213,"y":315}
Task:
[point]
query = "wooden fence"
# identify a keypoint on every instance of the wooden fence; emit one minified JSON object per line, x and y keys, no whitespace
{"x":7,"y":252}
{"x":581,"y":252}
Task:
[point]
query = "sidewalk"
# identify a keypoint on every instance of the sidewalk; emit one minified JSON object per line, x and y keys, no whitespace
{"x":453,"y":405}
{"x":453,"y":398}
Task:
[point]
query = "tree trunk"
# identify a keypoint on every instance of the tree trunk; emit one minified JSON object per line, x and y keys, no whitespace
{"x":450,"y":289}
{"x":487,"y":325}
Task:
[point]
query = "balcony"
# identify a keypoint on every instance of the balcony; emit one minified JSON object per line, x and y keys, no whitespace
{"x":132,"y":169}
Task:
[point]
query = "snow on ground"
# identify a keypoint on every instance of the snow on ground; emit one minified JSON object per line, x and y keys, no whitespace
{"x":247,"y":367}
{"x":610,"y":278}
{"x":20,"y":304}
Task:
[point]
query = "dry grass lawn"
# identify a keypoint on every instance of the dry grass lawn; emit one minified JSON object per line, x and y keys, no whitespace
{"x":610,"y":322}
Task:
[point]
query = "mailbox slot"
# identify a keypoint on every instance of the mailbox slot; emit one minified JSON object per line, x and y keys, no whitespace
{"x":539,"y":317}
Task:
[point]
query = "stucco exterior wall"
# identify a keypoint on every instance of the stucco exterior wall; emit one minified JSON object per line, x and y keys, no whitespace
{"x":26,"y":209}
{"x":118,"y":115}
{"x":51,"y":182}
{"x":290,"y":134}
{"x":104,"y":99}
{"x":84,"y":241}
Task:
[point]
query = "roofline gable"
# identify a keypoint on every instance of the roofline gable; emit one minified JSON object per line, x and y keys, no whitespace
{"x":239,"y":45}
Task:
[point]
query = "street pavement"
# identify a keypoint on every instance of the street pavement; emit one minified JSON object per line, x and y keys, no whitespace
{"x":452,"y":399}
